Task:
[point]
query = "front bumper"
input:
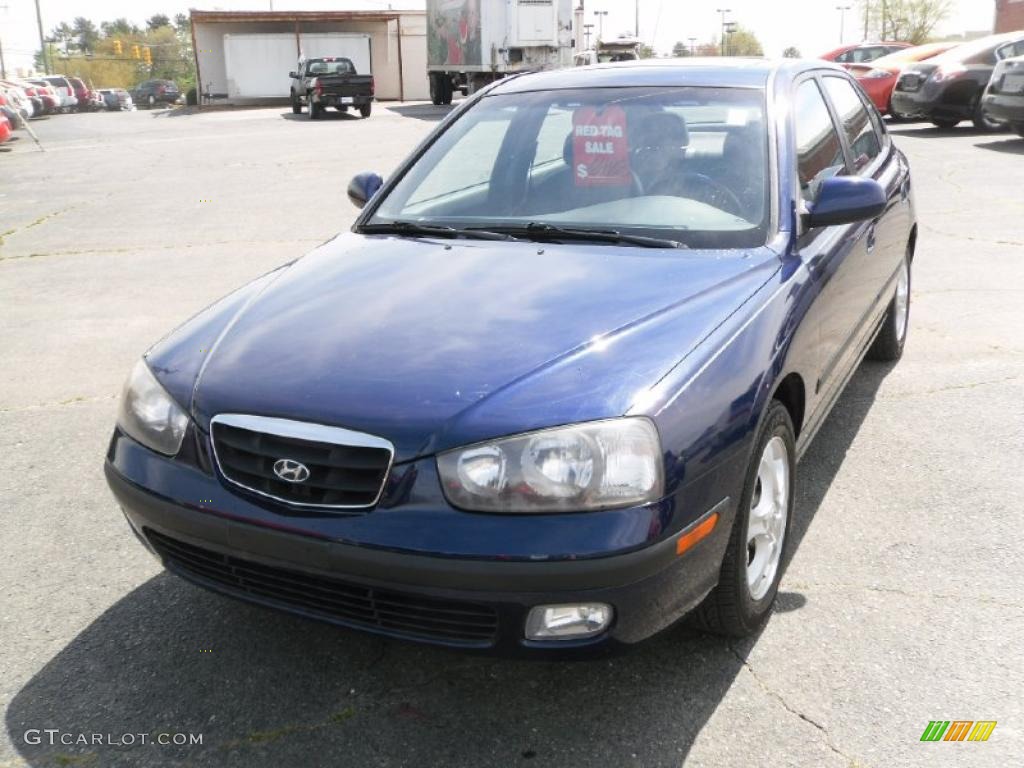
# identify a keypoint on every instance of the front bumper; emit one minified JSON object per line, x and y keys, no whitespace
{"x":649,"y":588}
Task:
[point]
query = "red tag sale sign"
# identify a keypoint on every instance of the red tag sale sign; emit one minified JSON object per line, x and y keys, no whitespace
{"x":600,"y":150}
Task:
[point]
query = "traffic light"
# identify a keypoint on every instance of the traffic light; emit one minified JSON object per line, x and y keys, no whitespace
{"x":135,"y":52}
{"x":118,"y":48}
{"x":147,"y":56}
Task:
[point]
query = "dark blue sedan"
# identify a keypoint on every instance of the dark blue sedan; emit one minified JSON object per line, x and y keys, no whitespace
{"x":551,"y":389}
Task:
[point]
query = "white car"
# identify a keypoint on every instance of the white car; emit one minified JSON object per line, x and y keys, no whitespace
{"x":65,"y":91}
{"x":17,"y":98}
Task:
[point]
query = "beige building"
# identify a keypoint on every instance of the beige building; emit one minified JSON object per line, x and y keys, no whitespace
{"x":243,"y":57}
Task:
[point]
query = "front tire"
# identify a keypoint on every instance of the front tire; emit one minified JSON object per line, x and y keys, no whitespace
{"x":1018,"y":128}
{"x":151,"y":101}
{"x":889,"y":343}
{"x":752,"y":566}
{"x":945,"y":125}
{"x":296,"y":105}
{"x":313,"y":112}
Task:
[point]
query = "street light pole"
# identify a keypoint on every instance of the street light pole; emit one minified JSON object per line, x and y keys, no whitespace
{"x":723,"y":11}
{"x":637,"y":9}
{"x":693,"y":46}
{"x":586,"y":34}
{"x":842,"y":21}
{"x":600,"y":23}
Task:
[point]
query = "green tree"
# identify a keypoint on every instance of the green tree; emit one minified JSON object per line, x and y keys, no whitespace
{"x":86,"y":33}
{"x":742,"y":42}
{"x":680,"y":50}
{"x":156,"y":21}
{"x":791,"y":53}
{"x":646,"y":51}
{"x":119,"y":28}
{"x":910,"y":21}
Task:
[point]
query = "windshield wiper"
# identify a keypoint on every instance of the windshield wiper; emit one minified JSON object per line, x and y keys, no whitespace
{"x":537,"y":230}
{"x":431,"y":230}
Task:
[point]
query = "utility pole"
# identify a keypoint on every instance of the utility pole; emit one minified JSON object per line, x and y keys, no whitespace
{"x":42,"y":40}
{"x":600,"y":23}
{"x":637,"y":8}
{"x":3,"y":67}
{"x":586,"y":34}
{"x":842,"y":21}
{"x":884,"y":25}
{"x":867,"y":18}
{"x":723,"y":11}
{"x":693,"y":46}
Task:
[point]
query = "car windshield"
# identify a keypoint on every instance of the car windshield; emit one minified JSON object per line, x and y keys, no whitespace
{"x":687,"y":164}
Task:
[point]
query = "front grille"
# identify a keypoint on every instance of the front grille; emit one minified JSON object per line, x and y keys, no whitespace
{"x":395,"y":613}
{"x":345,"y":469}
{"x":909,"y":81}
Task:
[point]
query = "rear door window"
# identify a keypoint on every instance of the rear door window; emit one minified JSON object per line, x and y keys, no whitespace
{"x":864,"y":142}
{"x":818,"y":147}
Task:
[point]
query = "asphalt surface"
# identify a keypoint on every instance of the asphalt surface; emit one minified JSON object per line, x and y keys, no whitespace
{"x":902,"y":602}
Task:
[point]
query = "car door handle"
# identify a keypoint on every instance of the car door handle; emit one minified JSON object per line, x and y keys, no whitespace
{"x":870,"y":240}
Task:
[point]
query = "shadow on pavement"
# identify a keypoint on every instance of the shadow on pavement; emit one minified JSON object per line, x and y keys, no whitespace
{"x":925,"y":130}
{"x":325,"y":115}
{"x":428,"y":112}
{"x":267,"y":689}
{"x":1014,"y":146}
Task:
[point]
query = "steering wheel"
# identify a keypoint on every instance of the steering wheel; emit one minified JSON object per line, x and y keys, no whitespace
{"x":698,"y":186}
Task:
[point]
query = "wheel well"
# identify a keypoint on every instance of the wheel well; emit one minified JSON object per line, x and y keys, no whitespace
{"x":912,"y":243}
{"x":790,"y":393}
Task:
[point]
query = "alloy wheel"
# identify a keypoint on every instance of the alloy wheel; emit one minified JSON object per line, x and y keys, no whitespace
{"x":766,"y":524}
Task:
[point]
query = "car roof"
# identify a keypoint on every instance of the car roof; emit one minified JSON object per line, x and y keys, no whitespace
{"x":710,"y":72}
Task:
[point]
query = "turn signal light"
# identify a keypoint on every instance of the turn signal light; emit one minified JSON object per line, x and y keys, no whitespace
{"x":701,"y":531}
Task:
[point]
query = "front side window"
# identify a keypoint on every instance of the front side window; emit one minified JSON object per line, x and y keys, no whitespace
{"x":818,"y":146}
{"x":683,"y":163}
{"x":856,"y":122}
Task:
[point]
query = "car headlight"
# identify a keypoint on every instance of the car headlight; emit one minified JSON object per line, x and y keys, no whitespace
{"x":595,"y":465}
{"x":148,"y":414}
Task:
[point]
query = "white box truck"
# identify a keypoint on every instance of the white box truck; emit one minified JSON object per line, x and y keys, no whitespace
{"x":472,"y":42}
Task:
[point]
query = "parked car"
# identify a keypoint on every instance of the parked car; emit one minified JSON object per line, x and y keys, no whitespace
{"x":551,"y":389}
{"x":948,"y":88}
{"x":879,"y":77}
{"x":153,"y":92}
{"x":1004,"y":98}
{"x":82,"y":93}
{"x":859,"y":53}
{"x":6,"y":126}
{"x":18,"y":99}
{"x":116,"y":99}
{"x":330,"y":81}
{"x":44,"y":91}
{"x":65,"y":91}
{"x":28,"y":93}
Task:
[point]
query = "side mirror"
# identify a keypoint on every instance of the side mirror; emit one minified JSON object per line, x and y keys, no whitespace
{"x":846,"y":200}
{"x":293,"y":75}
{"x":362,"y":187}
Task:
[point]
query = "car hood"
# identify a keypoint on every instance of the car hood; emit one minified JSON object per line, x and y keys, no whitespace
{"x":436,"y":343}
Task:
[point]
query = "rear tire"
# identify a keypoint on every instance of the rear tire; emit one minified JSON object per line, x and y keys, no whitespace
{"x":1018,"y":128}
{"x":749,"y":577}
{"x":945,"y":125}
{"x":889,"y":343}
{"x":365,"y":110}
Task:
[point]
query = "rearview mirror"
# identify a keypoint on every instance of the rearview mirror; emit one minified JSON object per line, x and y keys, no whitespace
{"x":362,"y":187}
{"x":845,"y":200}
{"x":293,"y":75}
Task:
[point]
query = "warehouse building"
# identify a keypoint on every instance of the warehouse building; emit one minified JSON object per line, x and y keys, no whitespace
{"x":243,"y":57}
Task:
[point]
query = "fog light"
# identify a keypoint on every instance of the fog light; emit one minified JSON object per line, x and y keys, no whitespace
{"x":568,"y":622}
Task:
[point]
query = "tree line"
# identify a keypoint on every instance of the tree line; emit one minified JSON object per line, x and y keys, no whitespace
{"x":119,"y":54}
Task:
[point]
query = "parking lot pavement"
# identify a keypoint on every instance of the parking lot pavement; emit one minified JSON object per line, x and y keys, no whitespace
{"x":902,"y":602}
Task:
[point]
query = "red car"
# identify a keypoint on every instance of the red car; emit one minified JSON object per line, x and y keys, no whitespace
{"x":5,"y":124}
{"x":861,"y":53}
{"x":82,"y":93}
{"x":879,"y":77}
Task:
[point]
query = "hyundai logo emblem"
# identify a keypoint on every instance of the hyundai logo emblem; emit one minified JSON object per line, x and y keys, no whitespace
{"x":291,"y":471}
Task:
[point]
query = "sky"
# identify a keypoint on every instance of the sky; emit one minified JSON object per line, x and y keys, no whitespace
{"x":811,"y":25}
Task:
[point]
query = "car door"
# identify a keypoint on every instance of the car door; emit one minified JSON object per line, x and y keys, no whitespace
{"x":836,"y":256}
